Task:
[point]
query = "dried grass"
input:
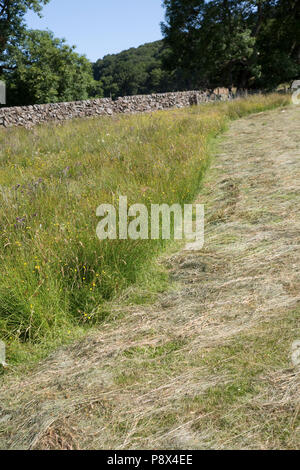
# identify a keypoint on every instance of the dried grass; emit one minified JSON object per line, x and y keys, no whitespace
{"x":208,"y":365}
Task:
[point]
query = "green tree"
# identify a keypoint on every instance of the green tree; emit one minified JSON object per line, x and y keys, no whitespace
{"x":45,"y":69}
{"x":12,"y":25}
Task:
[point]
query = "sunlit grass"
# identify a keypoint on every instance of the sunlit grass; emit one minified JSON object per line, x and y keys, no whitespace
{"x":55,"y":273}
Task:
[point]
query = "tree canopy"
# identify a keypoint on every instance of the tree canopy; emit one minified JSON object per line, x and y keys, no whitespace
{"x":45,"y":69}
{"x":134,"y":71}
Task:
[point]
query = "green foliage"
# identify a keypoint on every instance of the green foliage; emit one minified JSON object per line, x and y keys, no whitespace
{"x":249,"y":44}
{"x":12,"y":26}
{"x":278,"y":42}
{"x":37,"y":67}
{"x":56,"y":275}
{"x":233,"y":43}
{"x":134,"y":71}
{"x":254,"y":43}
{"x":45,"y":69}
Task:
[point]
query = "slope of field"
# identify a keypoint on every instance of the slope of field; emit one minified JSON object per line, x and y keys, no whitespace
{"x":208,"y":365}
{"x":56,"y":276}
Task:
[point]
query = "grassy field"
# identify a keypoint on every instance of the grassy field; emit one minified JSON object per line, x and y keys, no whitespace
{"x":56,"y":276}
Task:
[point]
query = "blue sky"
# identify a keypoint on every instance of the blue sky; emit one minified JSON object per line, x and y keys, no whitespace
{"x":100,"y":27}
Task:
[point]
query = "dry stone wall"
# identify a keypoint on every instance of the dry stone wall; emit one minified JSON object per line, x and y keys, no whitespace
{"x":28,"y":116}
